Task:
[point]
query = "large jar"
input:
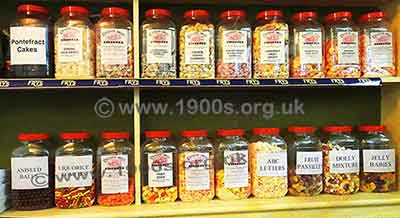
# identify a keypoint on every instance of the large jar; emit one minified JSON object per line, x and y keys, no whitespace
{"x":307,"y":52}
{"x":159,"y":167}
{"x":232,"y":165}
{"x":305,"y":162}
{"x":342,"y":47}
{"x":29,"y":53}
{"x":196,"y":46}
{"x":115,"y":171}
{"x":158,"y":45}
{"x":378,"y":169}
{"x":268,"y":163}
{"x":341,"y":161}
{"x":271,"y":45}
{"x":74,"y":44}
{"x":31,"y":173}
{"x":114,"y":53}
{"x":74,"y":173}
{"x":377,"y":54}
{"x":234,"y":46}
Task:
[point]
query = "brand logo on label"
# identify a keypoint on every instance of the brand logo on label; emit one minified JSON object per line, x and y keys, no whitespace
{"x":236,"y":159}
{"x":113,"y":35}
{"x":158,"y":36}
{"x":161,"y":162}
{"x":235,"y":36}
{"x":273,"y":37}
{"x":382,"y":38}
{"x":70,"y":34}
{"x":311,"y":38}
{"x":348,"y":38}
{"x":197,"y":38}
{"x":197,"y":161}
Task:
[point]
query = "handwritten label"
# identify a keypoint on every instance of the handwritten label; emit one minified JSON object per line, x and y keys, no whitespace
{"x":29,"y":173}
{"x":74,"y":171}
{"x":272,"y":164}
{"x":346,"y":161}
{"x":379,"y":161}
{"x":309,"y":162}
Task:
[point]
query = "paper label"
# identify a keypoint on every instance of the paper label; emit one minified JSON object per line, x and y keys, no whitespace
{"x":70,"y":44}
{"x":236,"y":169}
{"x":159,"y":46}
{"x":114,"y":174}
{"x":197,"y":47}
{"x":114,"y":46}
{"x":310,"y":47}
{"x":28,"y":45}
{"x":348,"y":50}
{"x":272,"y":47}
{"x":234,"y":46}
{"x":161,"y":172}
{"x":381,"y":49}
{"x":379,"y":161}
{"x":346,"y":161}
{"x":272,"y":164}
{"x":309,"y":162}
{"x":29,"y":173}
{"x":74,"y":171}
{"x":197,"y":171}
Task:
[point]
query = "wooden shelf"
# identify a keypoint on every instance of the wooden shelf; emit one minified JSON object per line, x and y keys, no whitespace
{"x":389,"y":80}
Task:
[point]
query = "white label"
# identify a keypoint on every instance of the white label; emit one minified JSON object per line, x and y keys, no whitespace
{"x":74,"y":171}
{"x":197,"y":47}
{"x":309,"y":162}
{"x":114,"y":46}
{"x":28,"y":45}
{"x":70,"y":44}
{"x":272,"y":164}
{"x":346,"y":161}
{"x":381,"y":49}
{"x":348,"y":50}
{"x":159,"y":46}
{"x":234,"y":46}
{"x":197,"y":171}
{"x":379,"y":161}
{"x":272,"y":47}
{"x":29,"y":173}
{"x":161,"y":172}
{"x":114,"y":174}
{"x":236,"y":169}
{"x":310,"y":47}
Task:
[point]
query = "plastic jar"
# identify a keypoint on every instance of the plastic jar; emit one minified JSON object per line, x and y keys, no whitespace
{"x":342,"y":47}
{"x":115,"y":170}
{"x":271,"y":45}
{"x":114,"y":54}
{"x":268,"y":163}
{"x":74,"y":173}
{"x":305,"y":162}
{"x":196,"y":166}
{"x":196,"y":46}
{"x":32,"y":173}
{"x":377,"y":54}
{"x":234,"y":45}
{"x":233,"y":179}
{"x":307,"y":49}
{"x":341,"y":161}
{"x":158,"y":45}
{"x":74,"y":44}
{"x":159,"y":167}
{"x":378,"y":170}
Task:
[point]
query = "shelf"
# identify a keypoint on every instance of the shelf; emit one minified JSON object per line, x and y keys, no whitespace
{"x":390,"y":80}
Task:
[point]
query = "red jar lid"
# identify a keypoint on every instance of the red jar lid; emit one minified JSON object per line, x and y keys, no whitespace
{"x":114,"y":11}
{"x":231,"y":132}
{"x":196,"y":13}
{"x":266,"y":131}
{"x":301,"y":129}
{"x":270,"y":13}
{"x":115,"y":135}
{"x":194,"y":133}
{"x":338,"y":128}
{"x":333,"y":17}
{"x":304,"y":15}
{"x":372,"y":15}
{"x":371,"y":128}
{"x":33,"y":136}
{"x":74,"y":135}
{"x":157,"y":11}
{"x":74,"y":9}
{"x":232,"y":13}
{"x":158,"y":134}
{"x":35,"y":8}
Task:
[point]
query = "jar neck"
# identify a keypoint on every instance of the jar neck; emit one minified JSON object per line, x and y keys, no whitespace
{"x":307,"y":20}
{"x":233,"y":19}
{"x":302,"y":134}
{"x":339,"y":133}
{"x":32,"y":14}
{"x":75,"y":141}
{"x":75,"y":15}
{"x":341,"y":21}
{"x":115,"y":16}
{"x":116,"y":140}
{"x":158,"y":17}
{"x":232,"y":137}
{"x":32,"y":143}
{"x":199,"y":19}
{"x":196,"y":137}
{"x":162,"y":139}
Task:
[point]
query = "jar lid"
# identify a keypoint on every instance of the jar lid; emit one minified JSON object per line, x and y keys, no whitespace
{"x":115,"y":135}
{"x":74,"y":9}
{"x":371,"y":128}
{"x":338,"y":128}
{"x":194,"y":133}
{"x":302,"y":129}
{"x":372,"y":15}
{"x":231,"y":132}
{"x":33,"y":136}
{"x":196,"y":13}
{"x":114,"y":10}
{"x":232,"y":13}
{"x":270,"y":13}
{"x":158,"y":134}
{"x":266,"y":131}
{"x":74,"y":135}
{"x":157,"y":11}
{"x":35,"y":8}
{"x":304,"y":15}
{"x":335,"y":16}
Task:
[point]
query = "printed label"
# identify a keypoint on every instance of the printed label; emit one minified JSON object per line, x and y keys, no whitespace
{"x":272,"y":164}
{"x":310,"y":47}
{"x":29,"y":173}
{"x":70,"y":44}
{"x":161,"y":170}
{"x":379,"y":161}
{"x":309,"y":163}
{"x":197,"y":47}
{"x":234,"y":46}
{"x":114,"y":46}
{"x":272,"y":47}
{"x":346,"y":161}
{"x":28,"y":45}
{"x":348,"y":50}
{"x":74,"y":171}
{"x":114,"y":174}
{"x":159,"y":46}
{"x":197,"y":171}
{"x":381,"y":49}
{"x":236,"y":169}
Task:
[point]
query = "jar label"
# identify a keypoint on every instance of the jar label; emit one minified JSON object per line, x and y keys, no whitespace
{"x":197,"y":47}
{"x":159,"y":46}
{"x":379,"y":160}
{"x":114,"y":174}
{"x":348,"y":49}
{"x":74,"y":171}
{"x":70,"y":44}
{"x":310,"y":47}
{"x":161,"y":170}
{"x":346,"y":161}
{"x":28,"y":45}
{"x":309,"y":162}
{"x":234,"y":47}
{"x":273,"y":47}
{"x":272,"y":164}
{"x":380,"y":50}
{"x":197,"y":171}
{"x":114,"y":46}
{"x":236,"y":169}
{"x":29,"y":173}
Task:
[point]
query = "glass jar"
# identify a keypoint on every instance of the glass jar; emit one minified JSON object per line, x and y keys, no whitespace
{"x":268,"y":163}
{"x":233,"y":179}
{"x":196,"y":46}
{"x":115,"y":170}
{"x":74,"y":173}
{"x":307,"y":52}
{"x":342,"y":48}
{"x":196,"y":166}
{"x":234,"y":46}
{"x":32,"y":173}
{"x":29,"y":53}
{"x":378,"y":170}
{"x":271,"y":45}
{"x":158,"y":45}
{"x":341,"y":161}
{"x":377,"y":54}
{"x":74,"y":44}
{"x":305,"y":162}
{"x":159,"y":167}
{"x":114,"y":54}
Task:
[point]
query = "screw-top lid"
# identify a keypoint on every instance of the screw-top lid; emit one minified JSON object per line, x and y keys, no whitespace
{"x":158,"y":134}
{"x":74,"y":9}
{"x":74,"y":135}
{"x":301,"y":129}
{"x":232,"y":13}
{"x":266,"y":131}
{"x":194,"y":133}
{"x":270,"y":13}
{"x":336,"y":16}
{"x":33,"y":136}
{"x":35,"y":8}
{"x":371,"y":128}
{"x":196,"y":13}
{"x":115,"y":135}
{"x":231,"y":132}
{"x":157,"y":11}
{"x":372,"y":15}
{"x":304,"y":15}
{"x":114,"y":11}
{"x":338,"y":128}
